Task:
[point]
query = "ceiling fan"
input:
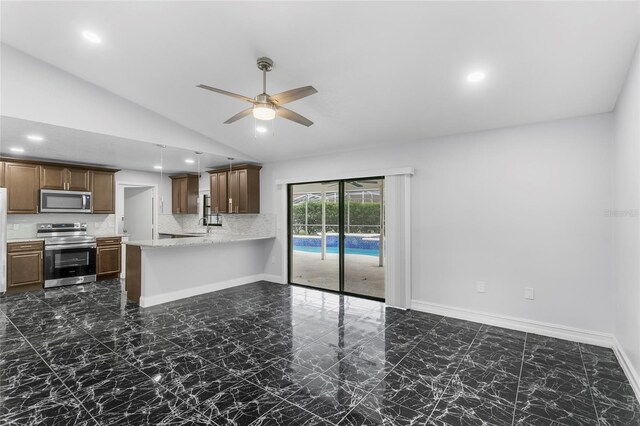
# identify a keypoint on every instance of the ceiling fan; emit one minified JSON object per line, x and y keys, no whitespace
{"x":265,"y":106}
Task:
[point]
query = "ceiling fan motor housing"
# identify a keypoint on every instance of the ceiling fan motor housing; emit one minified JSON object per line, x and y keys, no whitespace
{"x":265,"y":64}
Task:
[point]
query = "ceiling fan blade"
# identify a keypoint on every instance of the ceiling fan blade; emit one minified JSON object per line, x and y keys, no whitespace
{"x":292,"y":95}
{"x":224,"y":92}
{"x":293,"y":116}
{"x":239,"y":115}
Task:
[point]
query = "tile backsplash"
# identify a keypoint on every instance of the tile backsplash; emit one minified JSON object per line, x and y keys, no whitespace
{"x":24,"y":225}
{"x":244,"y":224}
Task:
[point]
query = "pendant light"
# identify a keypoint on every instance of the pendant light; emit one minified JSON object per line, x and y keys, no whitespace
{"x":229,"y":181}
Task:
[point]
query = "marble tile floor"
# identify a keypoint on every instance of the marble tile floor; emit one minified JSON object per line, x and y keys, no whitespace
{"x":270,"y":354}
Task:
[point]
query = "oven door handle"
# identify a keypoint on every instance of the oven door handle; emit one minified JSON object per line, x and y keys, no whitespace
{"x":68,"y":246}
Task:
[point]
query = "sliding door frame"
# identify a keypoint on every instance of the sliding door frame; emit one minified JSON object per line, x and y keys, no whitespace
{"x":341,"y":236}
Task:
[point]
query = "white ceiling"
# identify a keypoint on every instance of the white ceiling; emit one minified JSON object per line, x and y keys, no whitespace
{"x":77,"y":146}
{"x":386,"y":72}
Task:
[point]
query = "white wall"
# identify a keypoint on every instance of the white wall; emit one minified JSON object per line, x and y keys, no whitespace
{"x":517,"y":207}
{"x":624,"y":214}
{"x":34,"y":90}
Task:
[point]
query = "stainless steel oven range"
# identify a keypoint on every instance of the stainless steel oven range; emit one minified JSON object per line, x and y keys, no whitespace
{"x":69,"y":254}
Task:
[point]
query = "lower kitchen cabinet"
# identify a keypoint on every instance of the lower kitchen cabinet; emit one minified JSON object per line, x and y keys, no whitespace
{"x":108,"y":257}
{"x":25,"y":270}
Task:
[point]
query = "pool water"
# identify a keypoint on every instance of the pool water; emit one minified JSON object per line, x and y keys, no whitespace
{"x":334,"y":250}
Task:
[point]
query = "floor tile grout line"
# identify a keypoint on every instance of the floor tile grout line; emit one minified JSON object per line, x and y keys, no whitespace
{"x":116,"y":354}
{"x":515,"y":403}
{"x":454,"y":373}
{"x":240,"y":378}
{"x":584,"y":367}
{"x":50,"y":369}
{"x":398,"y":363}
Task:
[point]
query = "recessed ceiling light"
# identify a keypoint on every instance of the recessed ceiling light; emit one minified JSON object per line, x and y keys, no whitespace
{"x":92,"y":37}
{"x":35,"y":138}
{"x":189,"y":161}
{"x":476,"y":76}
{"x":15,"y":149}
{"x":261,"y":129}
{"x":157,"y":167}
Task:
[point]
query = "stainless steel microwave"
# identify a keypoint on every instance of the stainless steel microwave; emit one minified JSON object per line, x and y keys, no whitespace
{"x":54,"y":201}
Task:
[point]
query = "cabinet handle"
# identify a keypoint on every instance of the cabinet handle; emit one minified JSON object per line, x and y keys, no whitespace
{"x":25,"y":246}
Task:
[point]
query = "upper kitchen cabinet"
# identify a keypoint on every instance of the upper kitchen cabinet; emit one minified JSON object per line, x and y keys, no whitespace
{"x":241,"y":194}
{"x":22,"y":182}
{"x":104,"y":192}
{"x":64,"y":178}
{"x":218,"y":186}
{"x":184,"y":194}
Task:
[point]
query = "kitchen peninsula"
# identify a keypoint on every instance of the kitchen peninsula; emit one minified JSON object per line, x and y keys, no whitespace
{"x":160,"y":271}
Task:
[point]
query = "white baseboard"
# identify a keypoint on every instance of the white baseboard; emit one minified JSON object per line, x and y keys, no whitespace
{"x":273,"y":278}
{"x":627,"y":366}
{"x":522,"y":324}
{"x":146,"y":302}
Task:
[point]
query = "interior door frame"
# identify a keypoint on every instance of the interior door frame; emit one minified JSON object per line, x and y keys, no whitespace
{"x":341,"y":236}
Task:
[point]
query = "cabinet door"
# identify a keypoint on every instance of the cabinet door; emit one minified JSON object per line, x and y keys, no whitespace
{"x":234,"y":191}
{"x":219,"y":200}
{"x":103,"y":192}
{"x":108,"y":259}
{"x":215,"y":196}
{"x":184,"y":196}
{"x":53,"y":177}
{"x":242,"y":192}
{"x":1,"y":174}
{"x":24,"y":268}
{"x":78,"y":180}
{"x":22,"y":182}
{"x":175,"y":195}
{"x":223,"y":196}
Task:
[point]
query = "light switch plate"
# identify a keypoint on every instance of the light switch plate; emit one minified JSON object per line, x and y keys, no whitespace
{"x":528,"y":293}
{"x":481,"y":287}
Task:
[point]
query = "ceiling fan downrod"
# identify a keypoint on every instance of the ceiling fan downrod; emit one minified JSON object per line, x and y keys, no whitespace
{"x":265,"y":65}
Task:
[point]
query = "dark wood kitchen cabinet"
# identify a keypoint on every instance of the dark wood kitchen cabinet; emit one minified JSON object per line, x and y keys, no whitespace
{"x":218,"y":185}
{"x":108,"y":257}
{"x":184,"y":194}
{"x":64,"y":178}
{"x":25,"y":269}
{"x":241,"y":192}
{"x":103,"y":192}
{"x":22,"y":182}
{"x":1,"y":174}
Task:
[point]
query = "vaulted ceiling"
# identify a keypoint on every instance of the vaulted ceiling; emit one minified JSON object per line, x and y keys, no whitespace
{"x":386,"y":72}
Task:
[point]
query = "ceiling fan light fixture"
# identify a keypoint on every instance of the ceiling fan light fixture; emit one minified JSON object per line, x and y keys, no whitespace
{"x":264,"y":112}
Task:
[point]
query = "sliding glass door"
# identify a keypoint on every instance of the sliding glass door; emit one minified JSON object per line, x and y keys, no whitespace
{"x":364,"y":237}
{"x":336,"y":236}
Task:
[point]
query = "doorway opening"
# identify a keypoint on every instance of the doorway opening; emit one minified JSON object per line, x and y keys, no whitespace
{"x":336,"y":236}
{"x":138,"y":213}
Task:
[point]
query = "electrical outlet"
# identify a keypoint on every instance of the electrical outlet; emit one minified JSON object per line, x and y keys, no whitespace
{"x":528,"y":293}
{"x":481,"y":287}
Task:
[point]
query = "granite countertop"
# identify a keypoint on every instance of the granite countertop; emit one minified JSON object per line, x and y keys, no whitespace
{"x":25,"y":240}
{"x":197,"y":241}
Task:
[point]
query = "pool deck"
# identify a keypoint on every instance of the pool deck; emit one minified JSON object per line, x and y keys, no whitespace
{"x":362,"y":273}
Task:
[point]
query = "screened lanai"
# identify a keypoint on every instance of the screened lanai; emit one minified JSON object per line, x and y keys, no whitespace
{"x":322,"y":212}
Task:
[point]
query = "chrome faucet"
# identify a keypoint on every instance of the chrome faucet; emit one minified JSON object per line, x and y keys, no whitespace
{"x":208,"y":228}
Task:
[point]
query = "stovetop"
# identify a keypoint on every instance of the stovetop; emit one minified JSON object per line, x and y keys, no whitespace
{"x":64,"y":233}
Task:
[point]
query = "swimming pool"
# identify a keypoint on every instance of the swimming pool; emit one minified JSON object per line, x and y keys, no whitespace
{"x":362,"y":244}
{"x":334,"y":250}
